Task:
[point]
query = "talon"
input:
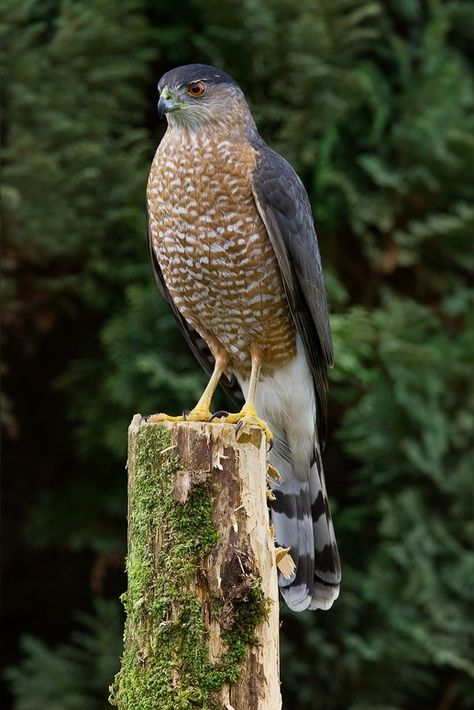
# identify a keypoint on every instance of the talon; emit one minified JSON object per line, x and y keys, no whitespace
{"x":248,"y":416}
{"x":220,"y":413}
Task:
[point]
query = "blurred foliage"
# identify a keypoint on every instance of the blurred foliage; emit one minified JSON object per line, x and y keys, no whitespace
{"x":373,"y":104}
{"x":76,"y":675}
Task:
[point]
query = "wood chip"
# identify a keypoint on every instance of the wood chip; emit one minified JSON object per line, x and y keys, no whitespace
{"x":273,"y":473}
{"x":182,"y":486}
{"x":284,"y":561}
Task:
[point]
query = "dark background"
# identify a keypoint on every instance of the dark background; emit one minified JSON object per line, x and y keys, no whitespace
{"x":372,"y":102}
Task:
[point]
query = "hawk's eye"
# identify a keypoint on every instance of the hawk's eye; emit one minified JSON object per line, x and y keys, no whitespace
{"x":197,"y":88}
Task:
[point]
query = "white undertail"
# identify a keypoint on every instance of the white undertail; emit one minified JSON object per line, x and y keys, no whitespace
{"x":300,"y":514}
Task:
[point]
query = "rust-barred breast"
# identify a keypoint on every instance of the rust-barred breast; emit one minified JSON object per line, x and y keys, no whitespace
{"x":216,"y":259}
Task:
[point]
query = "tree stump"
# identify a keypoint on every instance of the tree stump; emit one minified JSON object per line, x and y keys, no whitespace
{"x":202,"y":627}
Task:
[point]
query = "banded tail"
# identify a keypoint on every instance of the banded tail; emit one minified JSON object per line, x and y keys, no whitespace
{"x":302,"y":521}
{"x":300,"y":513}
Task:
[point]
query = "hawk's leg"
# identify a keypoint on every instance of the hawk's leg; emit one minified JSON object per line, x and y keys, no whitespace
{"x":202,"y":410}
{"x":248,"y":413}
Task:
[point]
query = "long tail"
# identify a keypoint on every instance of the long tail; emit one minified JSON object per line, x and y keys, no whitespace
{"x":302,"y":521}
{"x":300,"y":512}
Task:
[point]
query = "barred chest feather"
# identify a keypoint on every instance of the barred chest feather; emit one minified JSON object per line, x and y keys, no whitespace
{"x":213,"y":249}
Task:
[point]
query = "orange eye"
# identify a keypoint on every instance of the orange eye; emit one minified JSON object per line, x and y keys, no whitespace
{"x":197,"y":88}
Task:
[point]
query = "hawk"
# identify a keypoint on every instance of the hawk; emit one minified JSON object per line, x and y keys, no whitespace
{"x":236,"y":256}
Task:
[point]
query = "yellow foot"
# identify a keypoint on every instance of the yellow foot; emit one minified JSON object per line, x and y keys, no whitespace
{"x":164,"y":418}
{"x":195,"y":415}
{"x":248,"y":416}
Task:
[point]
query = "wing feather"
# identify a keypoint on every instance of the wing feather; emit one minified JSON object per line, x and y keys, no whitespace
{"x":284,"y":207}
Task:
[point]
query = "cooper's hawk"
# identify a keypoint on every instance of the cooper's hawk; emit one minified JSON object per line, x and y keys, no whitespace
{"x":236,"y":256}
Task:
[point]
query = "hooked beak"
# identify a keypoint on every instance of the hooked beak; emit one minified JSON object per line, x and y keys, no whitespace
{"x":166,"y":105}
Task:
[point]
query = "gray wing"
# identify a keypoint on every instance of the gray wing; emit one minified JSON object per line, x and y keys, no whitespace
{"x":197,"y":344}
{"x":284,"y":207}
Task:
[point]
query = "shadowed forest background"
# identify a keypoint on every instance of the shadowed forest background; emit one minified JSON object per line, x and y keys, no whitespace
{"x":372,"y":102}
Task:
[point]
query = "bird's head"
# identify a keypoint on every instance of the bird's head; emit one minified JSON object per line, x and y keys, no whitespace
{"x":198,"y":95}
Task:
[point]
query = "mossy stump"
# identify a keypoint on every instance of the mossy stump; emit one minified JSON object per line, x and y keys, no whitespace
{"x":202,"y":627}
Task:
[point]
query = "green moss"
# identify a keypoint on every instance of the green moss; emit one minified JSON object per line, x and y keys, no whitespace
{"x":166,"y":663}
